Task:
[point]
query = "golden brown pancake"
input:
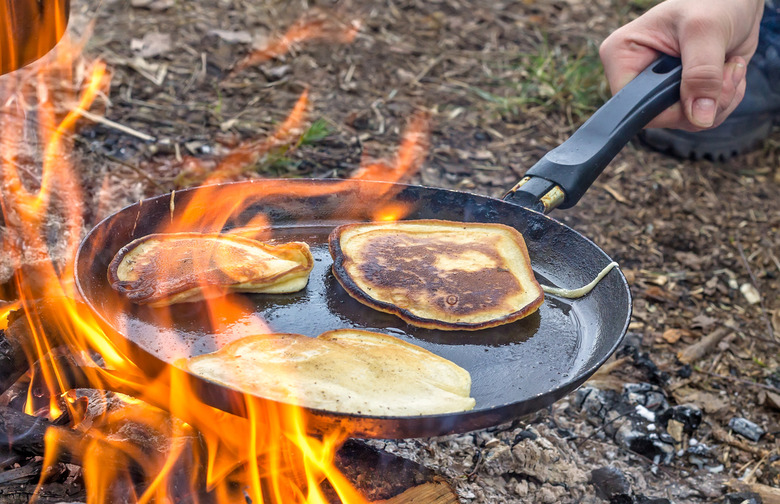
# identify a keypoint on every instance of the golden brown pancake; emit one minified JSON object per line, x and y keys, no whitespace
{"x":347,"y":371}
{"x":437,"y":274}
{"x":163,"y":269}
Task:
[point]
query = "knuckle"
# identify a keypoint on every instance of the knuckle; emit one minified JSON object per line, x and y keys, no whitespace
{"x":707,"y":78}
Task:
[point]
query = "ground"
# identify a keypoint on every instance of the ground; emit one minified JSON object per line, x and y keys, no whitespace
{"x":501,"y":83}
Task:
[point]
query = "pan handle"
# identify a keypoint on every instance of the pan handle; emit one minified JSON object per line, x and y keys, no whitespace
{"x":563,"y":175}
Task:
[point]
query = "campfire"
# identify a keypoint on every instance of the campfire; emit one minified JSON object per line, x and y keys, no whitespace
{"x":76,"y":394}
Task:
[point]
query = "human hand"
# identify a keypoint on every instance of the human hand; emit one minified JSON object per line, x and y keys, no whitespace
{"x":715,"y":40}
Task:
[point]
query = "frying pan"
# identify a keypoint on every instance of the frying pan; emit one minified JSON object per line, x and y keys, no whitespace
{"x":516,"y":369}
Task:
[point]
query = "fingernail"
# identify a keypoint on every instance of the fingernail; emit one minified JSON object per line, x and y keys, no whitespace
{"x":703,"y":112}
{"x":738,"y":74}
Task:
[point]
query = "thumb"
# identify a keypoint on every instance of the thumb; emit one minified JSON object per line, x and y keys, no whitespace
{"x":703,"y":58}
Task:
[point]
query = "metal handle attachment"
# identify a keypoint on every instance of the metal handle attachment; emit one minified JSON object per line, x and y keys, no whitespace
{"x":563,"y":175}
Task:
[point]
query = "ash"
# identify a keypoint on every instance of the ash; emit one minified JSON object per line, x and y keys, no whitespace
{"x":594,"y":446}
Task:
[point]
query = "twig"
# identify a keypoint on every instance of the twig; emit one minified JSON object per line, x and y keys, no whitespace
{"x":702,"y":347}
{"x":115,"y":125}
{"x":740,"y":380}
{"x":755,"y":284}
{"x":723,"y":436}
{"x":614,"y":193}
{"x":774,"y":259}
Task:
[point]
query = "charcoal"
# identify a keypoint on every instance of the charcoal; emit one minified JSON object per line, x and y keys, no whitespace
{"x":746,"y":428}
{"x":525,"y":434}
{"x":687,"y":414}
{"x":650,"y":396}
{"x":685,"y":371}
{"x":701,"y":455}
{"x":656,"y":447}
{"x":595,"y":402}
{"x":610,"y":482}
{"x":641,"y":499}
{"x":742,"y":498}
{"x":643,"y":362}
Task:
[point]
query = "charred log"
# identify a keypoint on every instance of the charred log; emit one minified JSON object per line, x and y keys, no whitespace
{"x":383,"y":477}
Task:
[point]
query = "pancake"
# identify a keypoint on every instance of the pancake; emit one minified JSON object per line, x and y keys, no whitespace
{"x":346,"y":371}
{"x":163,"y":269}
{"x":437,"y":274}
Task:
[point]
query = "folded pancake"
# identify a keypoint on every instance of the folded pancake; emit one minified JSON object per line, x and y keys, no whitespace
{"x":437,"y":274}
{"x":346,"y":371}
{"x":163,"y":269}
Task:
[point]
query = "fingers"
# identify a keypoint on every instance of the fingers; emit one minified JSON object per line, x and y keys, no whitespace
{"x":713,"y":39}
{"x":703,"y":53}
{"x":624,"y":58}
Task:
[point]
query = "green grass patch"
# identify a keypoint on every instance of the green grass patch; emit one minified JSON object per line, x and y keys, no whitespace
{"x":317,"y":132}
{"x":552,"y":78}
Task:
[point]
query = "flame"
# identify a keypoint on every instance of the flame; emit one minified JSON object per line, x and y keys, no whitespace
{"x":324,"y":27}
{"x":267,"y":455}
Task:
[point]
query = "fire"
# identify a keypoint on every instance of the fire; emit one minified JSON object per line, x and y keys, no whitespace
{"x":267,"y":455}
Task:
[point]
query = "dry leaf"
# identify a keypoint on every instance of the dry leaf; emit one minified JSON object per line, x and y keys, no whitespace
{"x":153,"y":44}
{"x":710,"y":403}
{"x":672,"y":336}
{"x":658,"y":294}
{"x":702,"y":322}
{"x":773,"y":400}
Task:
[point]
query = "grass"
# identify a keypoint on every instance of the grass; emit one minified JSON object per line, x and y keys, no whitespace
{"x":315,"y":133}
{"x":552,"y":78}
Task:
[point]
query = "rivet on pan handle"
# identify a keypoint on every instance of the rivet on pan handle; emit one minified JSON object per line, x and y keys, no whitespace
{"x":563,"y":175}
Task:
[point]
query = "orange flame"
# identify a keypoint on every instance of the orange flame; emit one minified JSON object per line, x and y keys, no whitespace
{"x":266,"y":456}
{"x":325,"y":28}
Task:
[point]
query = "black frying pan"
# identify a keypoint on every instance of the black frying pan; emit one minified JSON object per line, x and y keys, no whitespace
{"x":516,"y":369}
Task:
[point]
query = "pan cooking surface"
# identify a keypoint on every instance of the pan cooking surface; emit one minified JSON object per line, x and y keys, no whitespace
{"x":516,"y":368}
{"x":522,"y":348}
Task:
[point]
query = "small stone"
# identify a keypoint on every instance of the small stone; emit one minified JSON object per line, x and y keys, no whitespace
{"x":746,"y":428}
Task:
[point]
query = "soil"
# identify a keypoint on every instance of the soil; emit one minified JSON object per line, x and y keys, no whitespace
{"x":697,"y":239}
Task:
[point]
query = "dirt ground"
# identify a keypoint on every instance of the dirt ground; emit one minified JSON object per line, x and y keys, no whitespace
{"x":502,"y":82}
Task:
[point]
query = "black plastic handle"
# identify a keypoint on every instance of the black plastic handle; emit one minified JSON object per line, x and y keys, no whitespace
{"x":574,"y":165}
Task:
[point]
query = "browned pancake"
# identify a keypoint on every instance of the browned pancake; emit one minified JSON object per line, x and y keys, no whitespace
{"x":437,"y":274}
{"x":349,"y":371}
{"x":163,"y":269}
